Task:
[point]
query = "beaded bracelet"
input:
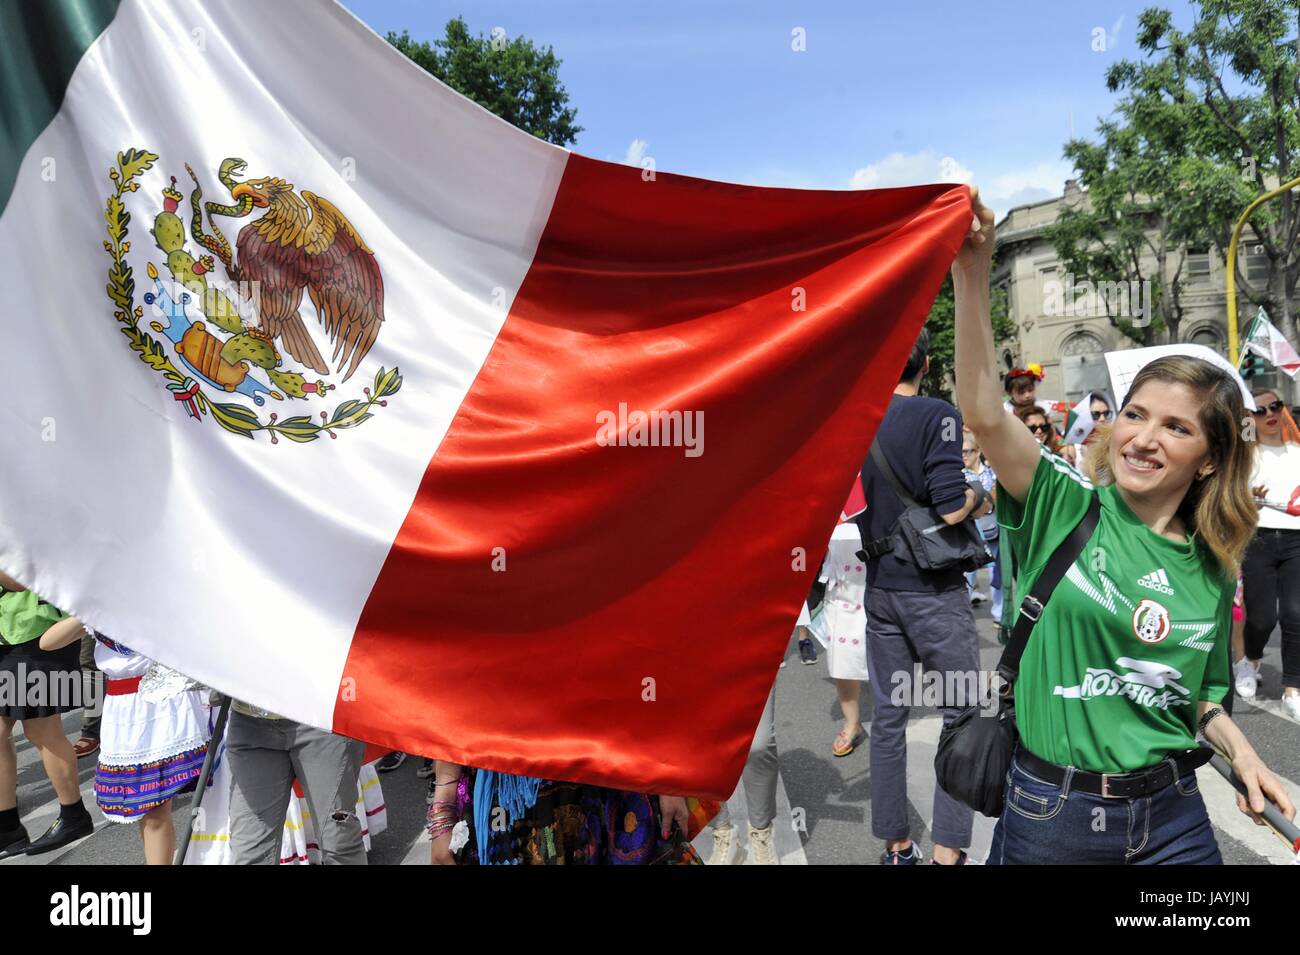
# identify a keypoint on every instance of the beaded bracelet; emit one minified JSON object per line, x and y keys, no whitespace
{"x":443,"y":817}
{"x":1209,"y":715}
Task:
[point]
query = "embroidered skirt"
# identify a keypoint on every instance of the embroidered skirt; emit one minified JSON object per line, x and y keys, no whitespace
{"x":149,"y":751}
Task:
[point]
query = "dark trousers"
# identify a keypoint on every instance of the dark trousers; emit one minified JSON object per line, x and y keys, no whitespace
{"x":1271,"y":571}
{"x":938,"y":631}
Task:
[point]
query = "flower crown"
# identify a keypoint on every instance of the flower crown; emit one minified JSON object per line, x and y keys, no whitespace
{"x":1033,"y":370}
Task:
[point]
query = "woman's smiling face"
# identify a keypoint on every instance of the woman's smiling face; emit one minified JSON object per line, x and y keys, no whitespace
{"x":1158,"y":443}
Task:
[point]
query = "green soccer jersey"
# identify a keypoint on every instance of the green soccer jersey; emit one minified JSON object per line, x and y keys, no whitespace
{"x":1131,"y":639}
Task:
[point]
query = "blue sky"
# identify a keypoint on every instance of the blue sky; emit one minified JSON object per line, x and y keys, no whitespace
{"x":883,"y":94}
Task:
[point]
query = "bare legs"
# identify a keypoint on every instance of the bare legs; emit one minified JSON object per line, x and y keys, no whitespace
{"x":8,"y":765}
{"x":46,"y":734}
{"x":849,"y":692}
{"x":159,"y":835}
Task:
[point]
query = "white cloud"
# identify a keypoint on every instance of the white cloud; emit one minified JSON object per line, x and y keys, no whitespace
{"x":1017,"y":187}
{"x":916,"y":169}
{"x":1001,"y":190}
{"x":635,"y":152}
{"x":1113,"y":36}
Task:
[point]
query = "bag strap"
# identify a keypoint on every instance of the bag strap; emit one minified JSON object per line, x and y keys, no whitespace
{"x":1031,"y":608}
{"x":878,"y":455}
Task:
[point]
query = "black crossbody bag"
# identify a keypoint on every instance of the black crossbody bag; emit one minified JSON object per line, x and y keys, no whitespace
{"x":922,"y":537}
{"x":975,"y":750}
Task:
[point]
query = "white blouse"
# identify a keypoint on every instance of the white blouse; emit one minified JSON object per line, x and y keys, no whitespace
{"x":1278,"y":468}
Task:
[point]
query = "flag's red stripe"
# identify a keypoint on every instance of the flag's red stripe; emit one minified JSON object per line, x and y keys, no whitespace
{"x":623,"y":564}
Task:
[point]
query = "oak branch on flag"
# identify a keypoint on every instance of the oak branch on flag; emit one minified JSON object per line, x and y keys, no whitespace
{"x":382,"y":506}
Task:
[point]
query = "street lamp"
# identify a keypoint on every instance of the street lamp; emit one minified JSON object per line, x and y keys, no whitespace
{"x":1232,"y":264}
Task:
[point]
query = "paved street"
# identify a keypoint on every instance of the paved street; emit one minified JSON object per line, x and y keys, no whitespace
{"x":835,"y":794}
{"x":827,"y":800}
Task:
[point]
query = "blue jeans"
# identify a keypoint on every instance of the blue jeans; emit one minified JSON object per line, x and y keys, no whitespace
{"x":1045,"y":824}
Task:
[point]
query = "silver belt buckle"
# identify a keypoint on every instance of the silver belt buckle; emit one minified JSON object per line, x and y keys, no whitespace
{"x":1105,"y":786}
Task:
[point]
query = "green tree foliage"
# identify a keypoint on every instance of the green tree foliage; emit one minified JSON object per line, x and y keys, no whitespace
{"x":1214,"y":111}
{"x":510,"y":77}
{"x":943,"y":338}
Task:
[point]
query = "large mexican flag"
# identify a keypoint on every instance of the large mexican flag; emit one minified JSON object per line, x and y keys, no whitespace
{"x":332,"y":390}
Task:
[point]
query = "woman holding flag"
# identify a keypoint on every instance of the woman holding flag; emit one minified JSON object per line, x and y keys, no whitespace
{"x":1128,"y":660}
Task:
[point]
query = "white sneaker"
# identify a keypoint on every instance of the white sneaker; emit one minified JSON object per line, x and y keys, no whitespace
{"x":1245,"y":679}
{"x":726,"y":850}
{"x":1291,"y":705}
{"x":760,"y":847}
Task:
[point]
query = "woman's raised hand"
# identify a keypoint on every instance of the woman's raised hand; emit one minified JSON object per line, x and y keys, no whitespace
{"x":977,"y":250}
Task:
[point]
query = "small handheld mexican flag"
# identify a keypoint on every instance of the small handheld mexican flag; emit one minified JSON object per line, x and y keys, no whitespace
{"x":1264,"y":339}
{"x":1079,"y":423}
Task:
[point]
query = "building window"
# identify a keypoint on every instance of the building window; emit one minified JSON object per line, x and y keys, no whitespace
{"x":1209,"y":337}
{"x":1256,"y":265}
{"x":1081,"y":343}
{"x":1198,"y":267}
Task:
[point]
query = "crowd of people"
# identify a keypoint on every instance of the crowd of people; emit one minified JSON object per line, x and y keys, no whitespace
{"x":1192,"y":562}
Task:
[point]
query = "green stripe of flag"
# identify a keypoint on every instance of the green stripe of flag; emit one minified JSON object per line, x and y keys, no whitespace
{"x":44,"y":41}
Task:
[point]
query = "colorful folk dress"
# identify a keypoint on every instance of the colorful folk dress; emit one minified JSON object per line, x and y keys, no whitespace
{"x":516,"y":820}
{"x":153,"y":737}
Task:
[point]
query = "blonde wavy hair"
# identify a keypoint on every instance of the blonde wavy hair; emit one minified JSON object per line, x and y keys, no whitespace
{"x":1219,"y":510}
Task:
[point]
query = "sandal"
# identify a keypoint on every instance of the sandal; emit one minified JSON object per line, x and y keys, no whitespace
{"x":843,"y":745}
{"x":85,"y":746}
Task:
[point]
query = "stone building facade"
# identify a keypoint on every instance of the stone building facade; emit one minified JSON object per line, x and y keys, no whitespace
{"x":1060,"y":320}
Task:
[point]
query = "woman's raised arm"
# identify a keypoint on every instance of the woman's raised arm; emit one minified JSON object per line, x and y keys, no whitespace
{"x":1007,"y":444}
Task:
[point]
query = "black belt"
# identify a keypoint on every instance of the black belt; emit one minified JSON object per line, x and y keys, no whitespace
{"x":1144,"y":782}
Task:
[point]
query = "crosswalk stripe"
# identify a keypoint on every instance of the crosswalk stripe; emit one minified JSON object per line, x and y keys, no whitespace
{"x":1219,"y":796}
{"x":922,"y":744}
{"x":1221,"y":803}
{"x":1273,"y":707}
{"x":785,"y":836}
{"x":37,"y":820}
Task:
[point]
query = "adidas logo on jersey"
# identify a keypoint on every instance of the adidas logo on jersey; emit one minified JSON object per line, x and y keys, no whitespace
{"x":1156,"y":580}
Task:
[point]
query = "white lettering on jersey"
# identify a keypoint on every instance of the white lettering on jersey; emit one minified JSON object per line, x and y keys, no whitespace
{"x":1157,"y":580}
{"x":1140,"y":685}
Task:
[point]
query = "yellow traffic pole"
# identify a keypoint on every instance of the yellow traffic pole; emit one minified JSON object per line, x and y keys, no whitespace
{"x":1232,"y":264}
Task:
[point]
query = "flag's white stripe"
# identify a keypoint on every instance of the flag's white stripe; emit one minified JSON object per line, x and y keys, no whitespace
{"x":246,"y":564}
